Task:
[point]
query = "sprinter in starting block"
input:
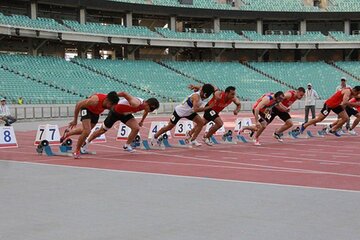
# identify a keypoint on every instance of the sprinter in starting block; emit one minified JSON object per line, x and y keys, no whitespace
{"x":123,"y":112}
{"x":219,"y":101}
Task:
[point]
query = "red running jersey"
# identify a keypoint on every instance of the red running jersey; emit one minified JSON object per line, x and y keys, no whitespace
{"x":336,"y":99}
{"x":219,"y":105}
{"x":98,"y":109}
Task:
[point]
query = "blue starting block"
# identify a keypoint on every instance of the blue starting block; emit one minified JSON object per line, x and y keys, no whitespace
{"x":49,"y":152}
{"x":241,"y":139}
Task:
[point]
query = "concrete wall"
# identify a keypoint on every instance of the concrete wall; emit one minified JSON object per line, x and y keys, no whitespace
{"x":53,"y":111}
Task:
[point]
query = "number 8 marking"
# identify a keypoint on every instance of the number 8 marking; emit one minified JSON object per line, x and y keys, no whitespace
{"x":7,"y":137}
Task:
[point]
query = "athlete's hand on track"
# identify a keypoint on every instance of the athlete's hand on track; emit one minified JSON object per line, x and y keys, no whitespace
{"x":235,"y":112}
{"x":141,"y":123}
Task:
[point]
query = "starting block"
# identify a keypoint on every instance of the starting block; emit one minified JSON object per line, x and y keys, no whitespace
{"x":311,"y":135}
{"x":147,"y":146}
{"x":241,"y":138}
{"x":45,"y":147}
{"x":169,"y":145}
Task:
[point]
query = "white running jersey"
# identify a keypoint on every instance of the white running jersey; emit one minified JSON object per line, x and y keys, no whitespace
{"x":186,"y":108}
{"x":123,"y":101}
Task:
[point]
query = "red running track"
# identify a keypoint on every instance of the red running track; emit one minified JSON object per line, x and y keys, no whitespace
{"x":328,"y":162}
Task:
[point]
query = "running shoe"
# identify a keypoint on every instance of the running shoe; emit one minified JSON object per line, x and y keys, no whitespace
{"x":256,"y":142}
{"x":195,"y":143}
{"x":207,"y":141}
{"x":352,"y":132}
{"x":277,"y":136}
{"x":251,"y":134}
{"x":76,"y":155}
{"x":128,"y":148}
{"x":84,"y":147}
{"x":336,"y":133}
{"x":302,"y":128}
{"x":156,"y":141}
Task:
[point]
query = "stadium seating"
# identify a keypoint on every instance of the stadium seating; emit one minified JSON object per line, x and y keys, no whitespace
{"x":249,"y":83}
{"x":110,"y":29}
{"x":25,"y":21}
{"x":343,"y":6}
{"x":226,"y":35}
{"x":148,"y":74}
{"x":210,"y":4}
{"x":324,"y":77}
{"x":284,"y":37}
{"x":351,"y":67}
{"x":14,"y":86}
{"x":271,"y":5}
{"x":341,"y":36}
{"x":67,"y":75}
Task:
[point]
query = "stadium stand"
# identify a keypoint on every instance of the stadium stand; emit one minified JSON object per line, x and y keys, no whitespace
{"x":227,"y":35}
{"x":271,"y":5}
{"x":324,"y":77}
{"x":110,"y":29}
{"x":284,"y":36}
{"x":250,"y":84}
{"x":25,"y":21}
{"x":343,"y":6}
{"x":350,"y":67}
{"x":209,"y":4}
{"x":62,"y":74}
{"x":150,"y":75}
{"x":341,"y":36}
{"x":14,"y":85}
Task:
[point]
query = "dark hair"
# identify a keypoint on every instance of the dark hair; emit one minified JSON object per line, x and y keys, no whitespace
{"x":301,"y":89}
{"x":278,"y":94}
{"x":113,"y":97}
{"x":207,"y":89}
{"x":153,"y":103}
{"x":230,"y":88}
{"x":356,"y":88}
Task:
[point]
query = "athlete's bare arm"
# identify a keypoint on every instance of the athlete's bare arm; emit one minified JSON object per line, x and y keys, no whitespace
{"x":237,"y":102}
{"x":265,"y":100}
{"x":92,"y":101}
{"x":133,"y":101}
{"x":281,"y":106}
{"x":195,"y":100}
{"x":143,"y":118}
{"x":217,"y":95}
{"x":346,"y":97}
{"x":193,"y":87}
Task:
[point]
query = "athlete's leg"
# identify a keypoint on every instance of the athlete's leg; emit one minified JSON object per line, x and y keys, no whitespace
{"x":75,"y":131}
{"x":260,"y":130}
{"x":198,"y":127}
{"x":135,"y":128}
{"x":218,"y":124}
{"x":320,"y":117}
{"x":96,"y":134}
{"x":288,"y":124}
{"x":356,"y":121}
{"x":87,"y":126}
{"x":343,"y":118}
{"x":164,"y":129}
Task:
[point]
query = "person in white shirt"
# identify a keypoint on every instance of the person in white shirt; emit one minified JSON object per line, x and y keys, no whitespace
{"x":5,"y":114}
{"x":310,"y":98}
{"x":342,"y":84}
{"x":339,"y":88}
